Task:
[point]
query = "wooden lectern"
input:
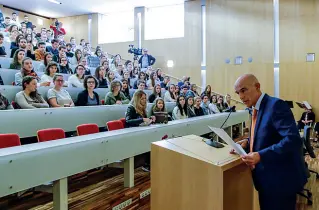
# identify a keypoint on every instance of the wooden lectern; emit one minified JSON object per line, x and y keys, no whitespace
{"x":187,"y":174}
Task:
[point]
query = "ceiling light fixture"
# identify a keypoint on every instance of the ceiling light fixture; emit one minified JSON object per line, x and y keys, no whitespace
{"x":54,"y":1}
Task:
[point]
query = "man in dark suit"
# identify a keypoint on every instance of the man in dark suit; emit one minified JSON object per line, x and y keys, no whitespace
{"x":274,"y":147}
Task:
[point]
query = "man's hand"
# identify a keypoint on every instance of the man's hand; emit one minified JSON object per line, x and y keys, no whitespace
{"x":251,"y":159}
{"x":243,"y":143}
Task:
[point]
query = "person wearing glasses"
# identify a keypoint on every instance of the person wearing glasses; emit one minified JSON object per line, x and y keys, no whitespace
{"x":57,"y":96}
{"x":115,"y":96}
{"x":88,"y":97}
{"x":64,"y":66}
{"x":76,"y":80}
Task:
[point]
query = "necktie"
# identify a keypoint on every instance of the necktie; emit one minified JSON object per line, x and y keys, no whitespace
{"x":252,"y":129}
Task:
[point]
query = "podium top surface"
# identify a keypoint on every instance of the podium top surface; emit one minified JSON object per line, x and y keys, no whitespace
{"x":195,"y":147}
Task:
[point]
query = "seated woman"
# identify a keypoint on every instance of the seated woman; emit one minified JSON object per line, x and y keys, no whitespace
{"x":17,"y":59}
{"x":180,"y":110}
{"x":115,"y":96}
{"x":157,"y":93}
{"x":207,"y":91}
{"x":227,"y":101}
{"x":27,"y":70}
{"x":110,"y":77}
{"x":220,"y":104}
{"x":159,"y":106}
{"x":190,"y":107}
{"x":197,"y":108}
{"x":64,"y":66}
{"x":213,"y":108}
{"x":170,"y":95}
{"x":29,"y":98}
{"x":136,"y":116}
{"x":48,"y":57}
{"x":205,"y":105}
{"x":136,"y":111}
{"x":4,"y":103}
{"x":88,"y":97}
{"x":100,"y":75}
{"x":141,"y":76}
{"x":76,"y":80}
{"x":49,"y":73}
{"x":153,"y":80}
{"x":192,"y":91}
{"x":57,"y":96}
{"x":125,"y":89}
{"x":307,"y":118}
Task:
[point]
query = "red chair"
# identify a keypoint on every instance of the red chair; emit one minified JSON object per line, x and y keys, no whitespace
{"x":50,"y":134}
{"x":123,"y":121}
{"x":114,"y":125}
{"x":86,"y":129}
{"x":102,"y":102}
{"x":9,"y":140}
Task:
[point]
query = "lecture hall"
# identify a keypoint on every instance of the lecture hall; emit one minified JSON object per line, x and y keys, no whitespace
{"x":116,"y":105}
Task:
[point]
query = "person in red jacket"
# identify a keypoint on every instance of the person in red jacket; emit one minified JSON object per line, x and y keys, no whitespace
{"x":57,"y":28}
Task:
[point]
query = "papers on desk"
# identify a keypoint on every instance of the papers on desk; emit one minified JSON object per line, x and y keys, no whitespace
{"x":223,"y":135}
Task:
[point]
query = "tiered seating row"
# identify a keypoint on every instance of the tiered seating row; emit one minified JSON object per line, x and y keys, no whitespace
{"x":26,"y":122}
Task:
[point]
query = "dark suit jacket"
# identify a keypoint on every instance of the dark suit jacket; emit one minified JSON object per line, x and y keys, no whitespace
{"x":151,"y":60}
{"x":281,"y":170}
{"x":82,"y":99}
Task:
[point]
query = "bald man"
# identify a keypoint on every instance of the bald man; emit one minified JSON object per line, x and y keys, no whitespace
{"x":274,"y":147}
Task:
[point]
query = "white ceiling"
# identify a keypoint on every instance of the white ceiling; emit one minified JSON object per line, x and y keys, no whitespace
{"x":79,"y":7}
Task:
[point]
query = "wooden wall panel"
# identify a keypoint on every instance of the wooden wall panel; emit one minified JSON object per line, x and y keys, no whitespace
{"x":239,"y":28}
{"x":33,"y":18}
{"x":76,"y":26}
{"x":299,"y":36}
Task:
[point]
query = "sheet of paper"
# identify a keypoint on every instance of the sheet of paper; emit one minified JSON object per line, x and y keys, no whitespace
{"x":223,"y":135}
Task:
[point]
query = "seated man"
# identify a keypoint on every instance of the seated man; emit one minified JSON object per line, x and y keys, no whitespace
{"x":307,"y":118}
{"x":39,"y":53}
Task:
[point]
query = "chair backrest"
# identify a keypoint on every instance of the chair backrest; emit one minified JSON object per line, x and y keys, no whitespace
{"x":50,"y":134}
{"x":307,"y":143}
{"x":114,"y":125}
{"x":9,"y":140}
{"x":86,"y":129}
{"x":15,"y":105}
{"x":123,"y":121}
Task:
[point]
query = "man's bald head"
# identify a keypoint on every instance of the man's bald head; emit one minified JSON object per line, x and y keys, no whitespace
{"x":247,"y":87}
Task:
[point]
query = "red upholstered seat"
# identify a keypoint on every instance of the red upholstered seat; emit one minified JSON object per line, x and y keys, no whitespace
{"x":114,"y":125}
{"x":50,"y":134}
{"x":86,"y":129}
{"x":123,"y":121}
{"x":9,"y":140}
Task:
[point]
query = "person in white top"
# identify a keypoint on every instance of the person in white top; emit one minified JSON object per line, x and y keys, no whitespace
{"x":170,"y":95}
{"x":57,"y":96}
{"x":51,"y":69}
{"x":153,"y":81}
{"x":76,"y":80}
{"x":180,"y":110}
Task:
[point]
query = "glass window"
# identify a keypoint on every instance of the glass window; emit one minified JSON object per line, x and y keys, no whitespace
{"x":164,"y":22}
{"x":117,"y":27}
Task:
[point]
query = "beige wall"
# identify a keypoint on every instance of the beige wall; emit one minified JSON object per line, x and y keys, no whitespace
{"x":299,"y":36}
{"x":76,"y":26}
{"x":239,"y":28}
{"x":33,"y":18}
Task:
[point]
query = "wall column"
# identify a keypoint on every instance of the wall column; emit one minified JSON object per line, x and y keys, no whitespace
{"x":139,"y":26}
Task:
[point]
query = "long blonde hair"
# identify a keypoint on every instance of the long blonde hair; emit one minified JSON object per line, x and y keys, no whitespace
{"x":136,"y":103}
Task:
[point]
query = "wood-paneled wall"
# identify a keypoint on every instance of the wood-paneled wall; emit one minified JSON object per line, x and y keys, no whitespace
{"x":33,"y":18}
{"x":239,"y":28}
{"x":76,"y":26}
{"x":299,"y":36}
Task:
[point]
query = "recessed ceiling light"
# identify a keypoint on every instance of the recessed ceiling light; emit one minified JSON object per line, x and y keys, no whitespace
{"x":54,"y":1}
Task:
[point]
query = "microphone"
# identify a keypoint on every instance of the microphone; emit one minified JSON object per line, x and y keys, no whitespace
{"x":230,"y":109}
{"x":213,"y":143}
